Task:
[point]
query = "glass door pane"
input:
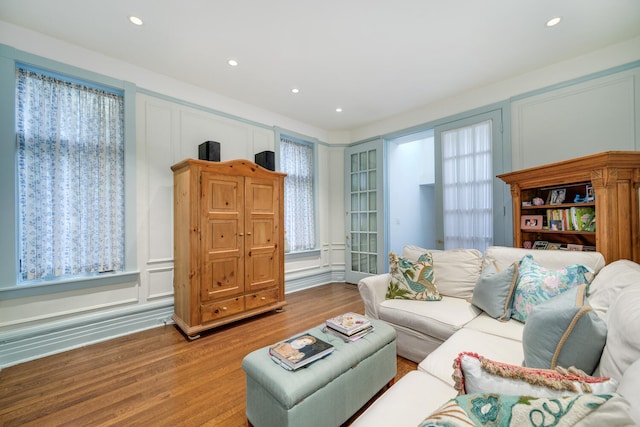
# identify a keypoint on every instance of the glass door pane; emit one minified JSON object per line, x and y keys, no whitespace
{"x":364,"y":234}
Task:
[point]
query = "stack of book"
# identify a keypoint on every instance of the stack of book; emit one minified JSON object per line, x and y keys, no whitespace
{"x":299,"y":351}
{"x":349,"y":326}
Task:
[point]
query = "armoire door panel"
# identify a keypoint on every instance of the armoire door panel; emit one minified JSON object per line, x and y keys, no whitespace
{"x":223,"y":276}
{"x":262,"y":232}
{"x":261,"y":269}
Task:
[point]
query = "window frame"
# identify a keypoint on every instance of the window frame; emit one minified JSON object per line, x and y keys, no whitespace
{"x":10,"y":286}
{"x":302,"y":139}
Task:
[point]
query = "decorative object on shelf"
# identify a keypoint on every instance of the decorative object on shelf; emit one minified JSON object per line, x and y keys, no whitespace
{"x":537,"y":201}
{"x":540,"y":244}
{"x":531,"y":222}
{"x":527,"y":244}
{"x":557,"y":196}
{"x":590,"y":194}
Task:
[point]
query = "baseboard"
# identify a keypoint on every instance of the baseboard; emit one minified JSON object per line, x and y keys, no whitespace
{"x":295,"y":284}
{"x":56,"y":337}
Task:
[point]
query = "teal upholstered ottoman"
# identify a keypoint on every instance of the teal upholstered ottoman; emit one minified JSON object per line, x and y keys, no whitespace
{"x":328,"y":391}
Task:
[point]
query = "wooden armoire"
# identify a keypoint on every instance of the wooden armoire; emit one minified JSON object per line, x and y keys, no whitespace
{"x":228,"y":242}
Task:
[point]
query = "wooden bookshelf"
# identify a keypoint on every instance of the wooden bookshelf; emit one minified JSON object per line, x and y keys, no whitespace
{"x":613,"y":176}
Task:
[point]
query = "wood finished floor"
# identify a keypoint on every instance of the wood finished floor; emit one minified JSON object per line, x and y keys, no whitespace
{"x":158,"y":377}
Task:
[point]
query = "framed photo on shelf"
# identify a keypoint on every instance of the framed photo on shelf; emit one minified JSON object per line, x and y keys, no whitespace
{"x":531,"y":222}
{"x":557,"y":196}
{"x":572,"y":247}
{"x":553,"y":246}
{"x":590,"y":197}
{"x":540,"y":244}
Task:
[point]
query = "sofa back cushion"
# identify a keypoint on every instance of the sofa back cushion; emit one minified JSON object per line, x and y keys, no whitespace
{"x":455,"y":271}
{"x":505,"y":256}
{"x":623,"y":339}
{"x":610,"y":281}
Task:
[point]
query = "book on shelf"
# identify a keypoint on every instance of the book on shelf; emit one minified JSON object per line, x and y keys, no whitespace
{"x":349,"y":338}
{"x":299,"y":351}
{"x":349,"y":323}
{"x":583,"y":218}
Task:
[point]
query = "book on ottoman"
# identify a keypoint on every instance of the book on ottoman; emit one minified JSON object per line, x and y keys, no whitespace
{"x":299,"y":351}
{"x":349,"y":323}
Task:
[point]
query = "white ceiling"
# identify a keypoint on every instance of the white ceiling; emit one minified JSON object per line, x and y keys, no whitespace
{"x":373,"y":58}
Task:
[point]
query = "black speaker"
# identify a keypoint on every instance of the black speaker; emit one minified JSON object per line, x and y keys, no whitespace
{"x":209,"y":150}
{"x":267,"y":160}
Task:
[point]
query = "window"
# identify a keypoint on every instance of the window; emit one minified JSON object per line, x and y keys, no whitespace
{"x":296,"y":160}
{"x":70,"y":167}
{"x":467,"y":180}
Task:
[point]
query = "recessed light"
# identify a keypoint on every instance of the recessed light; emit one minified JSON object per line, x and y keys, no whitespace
{"x":553,"y":21}
{"x":233,"y":62}
{"x":295,"y":90}
{"x":135,"y":20}
{"x":338,"y":110}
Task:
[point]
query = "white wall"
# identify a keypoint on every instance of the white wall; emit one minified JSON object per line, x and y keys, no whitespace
{"x":585,"y":118}
{"x":572,"y":68}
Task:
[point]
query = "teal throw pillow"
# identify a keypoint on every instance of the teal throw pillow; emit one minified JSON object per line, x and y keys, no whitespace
{"x":564,"y":331}
{"x":537,"y":284}
{"x":412,"y":280}
{"x":494,"y":291}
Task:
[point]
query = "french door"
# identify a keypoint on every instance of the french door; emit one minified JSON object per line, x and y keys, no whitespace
{"x":364,"y":222}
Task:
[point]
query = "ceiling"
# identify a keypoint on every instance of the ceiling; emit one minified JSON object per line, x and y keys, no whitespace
{"x":372,"y":58}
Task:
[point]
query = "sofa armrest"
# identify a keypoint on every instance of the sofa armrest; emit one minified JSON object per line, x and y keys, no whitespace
{"x":373,"y":290}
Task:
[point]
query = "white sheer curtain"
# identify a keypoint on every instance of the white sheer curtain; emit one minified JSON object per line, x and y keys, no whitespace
{"x":296,"y":160}
{"x":70,"y":140}
{"x":467,"y":179}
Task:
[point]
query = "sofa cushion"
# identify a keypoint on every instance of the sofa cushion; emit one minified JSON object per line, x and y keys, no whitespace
{"x":511,"y":329}
{"x":564,"y":331}
{"x":455,"y":271}
{"x":623,"y":340}
{"x":610,"y":281}
{"x":504,"y":256}
{"x":439,"y":319}
{"x":537,"y":284}
{"x":407,"y":402}
{"x":494,"y":291}
{"x":630,"y":388}
{"x":412,"y":280}
{"x":440,"y":362}
{"x":476,"y":374}
{"x":490,"y":409}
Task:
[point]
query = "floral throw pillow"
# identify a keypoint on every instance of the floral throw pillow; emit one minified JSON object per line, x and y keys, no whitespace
{"x":537,"y":284}
{"x":492,"y":409}
{"x":412,"y":280}
{"x":473,"y":373}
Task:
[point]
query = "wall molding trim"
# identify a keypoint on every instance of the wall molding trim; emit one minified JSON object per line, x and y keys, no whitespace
{"x":56,"y":337}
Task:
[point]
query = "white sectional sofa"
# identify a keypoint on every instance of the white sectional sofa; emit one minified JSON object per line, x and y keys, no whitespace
{"x":434,"y":333}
